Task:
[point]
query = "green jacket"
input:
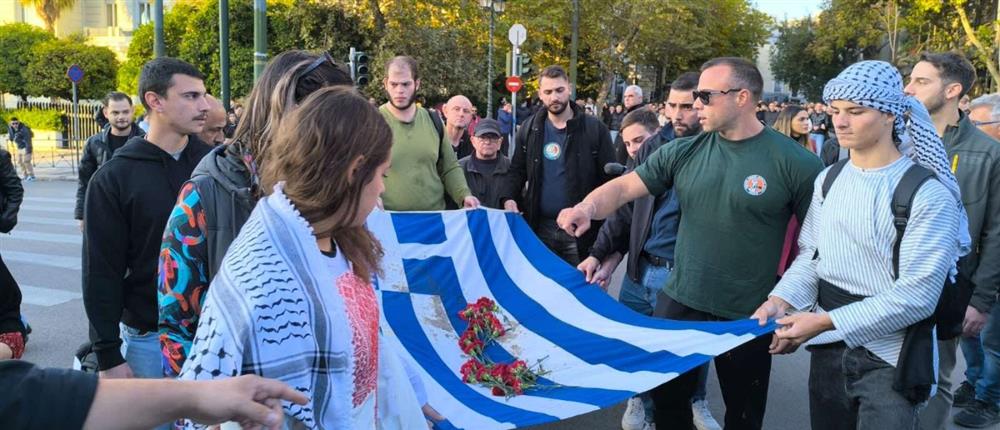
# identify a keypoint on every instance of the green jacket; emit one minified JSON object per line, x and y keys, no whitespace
{"x":975,"y":160}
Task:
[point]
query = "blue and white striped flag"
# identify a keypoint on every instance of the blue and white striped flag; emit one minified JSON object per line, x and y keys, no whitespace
{"x":599,"y":352}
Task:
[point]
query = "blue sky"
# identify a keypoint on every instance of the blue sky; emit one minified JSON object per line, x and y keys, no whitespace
{"x":791,"y":9}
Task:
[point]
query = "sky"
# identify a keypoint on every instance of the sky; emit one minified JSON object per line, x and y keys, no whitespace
{"x":792,"y":9}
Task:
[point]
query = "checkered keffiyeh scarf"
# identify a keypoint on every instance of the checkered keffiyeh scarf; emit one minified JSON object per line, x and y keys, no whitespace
{"x":878,"y":85}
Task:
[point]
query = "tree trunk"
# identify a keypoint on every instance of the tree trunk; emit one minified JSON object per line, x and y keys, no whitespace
{"x":377,"y":14}
{"x":985,"y":55}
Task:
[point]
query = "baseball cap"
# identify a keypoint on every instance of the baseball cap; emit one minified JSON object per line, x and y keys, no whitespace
{"x":487,"y":126}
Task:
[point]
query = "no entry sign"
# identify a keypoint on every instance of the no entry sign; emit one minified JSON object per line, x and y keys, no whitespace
{"x":514,"y":84}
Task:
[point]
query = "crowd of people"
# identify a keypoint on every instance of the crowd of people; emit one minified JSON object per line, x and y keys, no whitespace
{"x":867,"y":224}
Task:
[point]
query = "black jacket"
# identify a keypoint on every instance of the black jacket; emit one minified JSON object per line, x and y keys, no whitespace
{"x":223,"y":183}
{"x":976,"y":160}
{"x":95,"y":153}
{"x":627,"y":229}
{"x":11,"y":194}
{"x":588,"y":149}
{"x":21,"y":137}
{"x":488,"y":189}
{"x":128,"y":203}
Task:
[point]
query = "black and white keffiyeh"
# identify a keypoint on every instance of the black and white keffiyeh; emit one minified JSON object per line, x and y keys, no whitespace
{"x":878,"y":85}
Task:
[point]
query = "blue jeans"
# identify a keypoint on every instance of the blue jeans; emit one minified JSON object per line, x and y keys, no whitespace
{"x":142,"y":352}
{"x":982,"y":357}
{"x":819,"y":138}
{"x":641,"y":297}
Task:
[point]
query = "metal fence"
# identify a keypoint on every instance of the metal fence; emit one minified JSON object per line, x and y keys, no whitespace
{"x":71,"y":144}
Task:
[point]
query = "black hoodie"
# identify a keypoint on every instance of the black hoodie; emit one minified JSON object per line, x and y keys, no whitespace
{"x":128,"y":203}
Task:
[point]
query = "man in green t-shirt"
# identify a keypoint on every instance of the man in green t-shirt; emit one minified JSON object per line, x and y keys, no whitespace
{"x":424,"y":166}
{"x":738,"y":184}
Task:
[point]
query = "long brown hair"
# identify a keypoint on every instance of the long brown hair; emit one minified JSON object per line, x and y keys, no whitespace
{"x":285,"y":82}
{"x":783,"y":124}
{"x":313,"y":155}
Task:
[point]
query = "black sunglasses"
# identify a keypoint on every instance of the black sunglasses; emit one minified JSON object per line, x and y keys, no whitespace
{"x":315,"y":64}
{"x":982,"y":123}
{"x":706,"y":95}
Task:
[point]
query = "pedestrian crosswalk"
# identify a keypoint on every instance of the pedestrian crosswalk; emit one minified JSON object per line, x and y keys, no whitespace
{"x":43,"y":252}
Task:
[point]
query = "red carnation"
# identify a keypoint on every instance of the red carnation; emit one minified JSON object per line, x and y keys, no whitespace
{"x":485,"y":304}
{"x":497,"y":391}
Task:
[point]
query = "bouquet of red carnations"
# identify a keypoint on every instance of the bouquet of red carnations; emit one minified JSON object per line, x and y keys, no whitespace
{"x":504,"y":379}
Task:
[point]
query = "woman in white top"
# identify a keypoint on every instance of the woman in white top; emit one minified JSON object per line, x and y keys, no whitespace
{"x":293,"y":300}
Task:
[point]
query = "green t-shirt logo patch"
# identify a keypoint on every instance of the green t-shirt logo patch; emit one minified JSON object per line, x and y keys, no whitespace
{"x":552,"y":151}
{"x":755,"y":185}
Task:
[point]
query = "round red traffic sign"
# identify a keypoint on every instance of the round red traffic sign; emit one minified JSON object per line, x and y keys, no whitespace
{"x":514,"y":84}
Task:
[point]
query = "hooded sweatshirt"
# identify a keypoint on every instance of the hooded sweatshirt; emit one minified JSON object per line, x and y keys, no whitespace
{"x":128,"y":202}
{"x":210,"y":211}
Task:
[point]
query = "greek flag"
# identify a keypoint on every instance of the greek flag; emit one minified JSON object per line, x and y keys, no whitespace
{"x":598,"y":351}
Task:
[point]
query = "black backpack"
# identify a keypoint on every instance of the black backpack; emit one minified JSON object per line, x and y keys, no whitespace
{"x":950,"y":311}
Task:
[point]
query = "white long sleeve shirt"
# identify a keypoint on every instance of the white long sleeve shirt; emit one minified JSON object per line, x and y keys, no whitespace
{"x":854,"y":233}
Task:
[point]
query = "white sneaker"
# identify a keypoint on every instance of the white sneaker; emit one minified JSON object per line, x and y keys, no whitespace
{"x":635,"y":415}
{"x":649,"y":426}
{"x":703,"y":416}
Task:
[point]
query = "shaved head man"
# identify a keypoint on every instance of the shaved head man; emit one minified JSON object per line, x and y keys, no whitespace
{"x":458,"y":114}
{"x":215,"y":122}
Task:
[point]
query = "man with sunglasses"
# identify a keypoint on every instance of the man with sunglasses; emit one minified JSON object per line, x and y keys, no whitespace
{"x":738,"y":184}
{"x":939,"y":81}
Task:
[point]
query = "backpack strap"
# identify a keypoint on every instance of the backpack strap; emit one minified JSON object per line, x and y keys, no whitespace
{"x":832,"y":174}
{"x":438,"y":125}
{"x":902,"y":202}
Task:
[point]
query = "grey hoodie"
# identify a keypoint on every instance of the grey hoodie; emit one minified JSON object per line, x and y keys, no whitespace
{"x":223,"y":181}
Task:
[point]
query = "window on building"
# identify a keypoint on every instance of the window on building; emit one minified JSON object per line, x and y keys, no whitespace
{"x":145,"y":13}
{"x":111,"y":11}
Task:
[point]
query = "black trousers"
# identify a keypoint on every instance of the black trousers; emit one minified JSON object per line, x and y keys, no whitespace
{"x":10,"y":302}
{"x":744,"y":374}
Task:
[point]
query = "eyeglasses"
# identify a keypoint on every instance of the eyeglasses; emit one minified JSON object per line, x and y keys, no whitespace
{"x":315,"y":64}
{"x":706,"y":95}
{"x":982,"y":123}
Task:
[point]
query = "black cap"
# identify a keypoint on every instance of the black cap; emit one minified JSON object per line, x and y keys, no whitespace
{"x":487,"y":126}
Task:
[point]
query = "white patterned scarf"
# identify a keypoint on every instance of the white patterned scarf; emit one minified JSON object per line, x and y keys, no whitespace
{"x":878,"y":85}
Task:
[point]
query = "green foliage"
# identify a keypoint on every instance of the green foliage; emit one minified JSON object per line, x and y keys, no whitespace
{"x":37,"y":119}
{"x":192,"y":34}
{"x":49,"y":61}
{"x":16,"y":42}
{"x":140,"y":49}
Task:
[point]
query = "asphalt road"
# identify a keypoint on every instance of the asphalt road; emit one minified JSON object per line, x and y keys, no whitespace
{"x":43,"y":253}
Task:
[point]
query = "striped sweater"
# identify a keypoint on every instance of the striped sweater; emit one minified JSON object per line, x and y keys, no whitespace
{"x":854,"y":233}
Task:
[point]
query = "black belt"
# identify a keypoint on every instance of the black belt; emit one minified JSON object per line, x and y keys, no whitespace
{"x":657,"y":261}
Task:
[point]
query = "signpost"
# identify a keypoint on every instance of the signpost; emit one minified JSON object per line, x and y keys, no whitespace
{"x":75,"y":75}
{"x":517,"y":35}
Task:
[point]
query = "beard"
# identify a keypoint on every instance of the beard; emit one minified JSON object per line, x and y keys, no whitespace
{"x":405,"y":106}
{"x":685,"y":130}
{"x":119,"y":127}
{"x":557,"y":108}
{"x":935,"y":104}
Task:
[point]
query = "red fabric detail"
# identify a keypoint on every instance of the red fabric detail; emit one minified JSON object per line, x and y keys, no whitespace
{"x":15,"y":341}
{"x":362,"y":312}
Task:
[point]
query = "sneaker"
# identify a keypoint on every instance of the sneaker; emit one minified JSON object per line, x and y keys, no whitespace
{"x":703,"y":419}
{"x":635,"y":415}
{"x":649,"y":426}
{"x":965,"y":396}
{"x":980,"y":415}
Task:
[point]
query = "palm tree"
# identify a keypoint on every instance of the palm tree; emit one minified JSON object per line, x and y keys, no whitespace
{"x":49,"y":10}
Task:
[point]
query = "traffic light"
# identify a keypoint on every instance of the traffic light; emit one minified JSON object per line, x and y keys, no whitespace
{"x":359,"y":68}
{"x":524,"y":65}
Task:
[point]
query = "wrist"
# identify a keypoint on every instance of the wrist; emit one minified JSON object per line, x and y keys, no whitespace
{"x":587,"y":208}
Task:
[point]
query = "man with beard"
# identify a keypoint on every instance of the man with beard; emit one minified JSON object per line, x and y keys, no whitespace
{"x":939,"y":81}
{"x":560,"y":153}
{"x":128,"y":203}
{"x":632,"y":98}
{"x":424,"y":167}
{"x":101,"y":146}
{"x":737,"y":183}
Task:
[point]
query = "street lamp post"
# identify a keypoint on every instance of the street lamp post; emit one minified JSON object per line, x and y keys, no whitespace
{"x":495,"y":7}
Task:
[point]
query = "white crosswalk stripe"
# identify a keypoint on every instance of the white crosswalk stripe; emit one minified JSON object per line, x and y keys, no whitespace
{"x":67,"y":222}
{"x":39,"y":296}
{"x":46,"y":208}
{"x":71,"y":263}
{"x":68,"y":201}
{"x":22,"y":235}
